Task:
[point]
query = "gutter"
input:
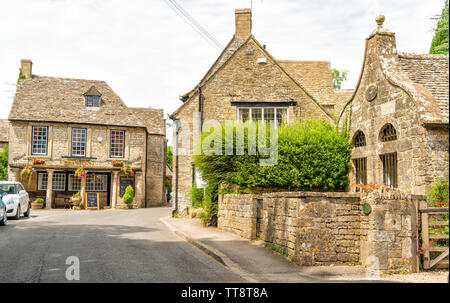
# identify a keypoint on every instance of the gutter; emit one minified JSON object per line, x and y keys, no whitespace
{"x":435,"y":125}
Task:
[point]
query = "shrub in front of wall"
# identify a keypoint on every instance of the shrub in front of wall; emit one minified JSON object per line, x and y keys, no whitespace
{"x":128,"y":197}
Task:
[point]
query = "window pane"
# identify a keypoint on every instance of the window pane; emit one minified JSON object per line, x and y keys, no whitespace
{"x":92,"y":101}
{"x":269,"y":114}
{"x":96,"y":182}
{"x":78,"y":142}
{"x":243,"y":114}
{"x":74,"y":183}
{"x":39,"y":140}
{"x":42,"y":181}
{"x":281,"y":116}
{"x":117,"y":143}
{"x":59,"y":181}
{"x":256,"y":114}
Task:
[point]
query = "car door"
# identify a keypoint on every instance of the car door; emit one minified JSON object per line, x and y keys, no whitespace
{"x":22,"y":198}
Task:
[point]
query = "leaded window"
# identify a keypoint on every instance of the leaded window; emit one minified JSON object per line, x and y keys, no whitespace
{"x":74,"y":183}
{"x":388,"y":133}
{"x":360,"y":139}
{"x":42,"y":181}
{"x":263,"y":114}
{"x":92,"y":101}
{"x":360,"y":171}
{"x":58,"y":181}
{"x":390,"y":177}
{"x":117,"y":143}
{"x":39,"y":140}
{"x":79,"y":142}
{"x":96,"y":183}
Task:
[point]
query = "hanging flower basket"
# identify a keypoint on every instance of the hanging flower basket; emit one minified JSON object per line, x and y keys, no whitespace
{"x":80,"y":172}
{"x":117,"y":163}
{"x":27,"y":171}
{"x":38,"y":160}
{"x":127,"y":171}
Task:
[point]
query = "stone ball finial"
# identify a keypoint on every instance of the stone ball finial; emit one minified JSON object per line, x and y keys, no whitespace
{"x":380,"y":19}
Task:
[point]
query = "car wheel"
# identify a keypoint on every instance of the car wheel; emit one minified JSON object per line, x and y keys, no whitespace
{"x":27,"y":213}
{"x":17,"y":216}
{"x":4,"y":221}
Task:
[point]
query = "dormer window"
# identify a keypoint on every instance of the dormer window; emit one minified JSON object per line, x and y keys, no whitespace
{"x":92,"y":97}
{"x":92,"y":101}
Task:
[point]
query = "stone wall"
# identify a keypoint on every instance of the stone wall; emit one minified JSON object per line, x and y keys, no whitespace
{"x":329,"y":228}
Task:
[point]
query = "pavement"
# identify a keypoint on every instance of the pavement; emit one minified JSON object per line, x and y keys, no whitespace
{"x":256,"y":263}
{"x":111,"y":245}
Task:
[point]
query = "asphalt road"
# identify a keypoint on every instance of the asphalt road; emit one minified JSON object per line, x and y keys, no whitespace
{"x":111,"y":245}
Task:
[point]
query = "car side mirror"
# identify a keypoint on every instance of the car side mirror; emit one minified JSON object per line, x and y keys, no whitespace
{"x":22,"y":192}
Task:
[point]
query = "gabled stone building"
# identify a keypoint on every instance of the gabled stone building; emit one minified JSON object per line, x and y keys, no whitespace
{"x":399,"y":116}
{"x":67,"y":123}
{"x":247,"y":83}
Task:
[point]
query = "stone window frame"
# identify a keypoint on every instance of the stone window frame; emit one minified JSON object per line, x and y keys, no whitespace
{"x":360,"y":165}
{"x":389,"y":162}
{"x":262,"y":108}
{"x":388,"y":133}
{"x":111,"y":144}
{"x":359,"y":139}
{"x":39,"y":141}
{"x":72,"y":154}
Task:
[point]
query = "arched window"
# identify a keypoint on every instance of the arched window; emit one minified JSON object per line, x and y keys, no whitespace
{"x":360,"y":139}
{"x":388,"y":133}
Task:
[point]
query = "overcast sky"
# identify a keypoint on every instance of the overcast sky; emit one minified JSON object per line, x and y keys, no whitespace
{"x":150,"y":56}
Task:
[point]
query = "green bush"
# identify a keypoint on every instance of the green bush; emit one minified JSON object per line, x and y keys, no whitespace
{"x":4,"y":164}
{"x":312,"y":156}
{"x":128,"y":197}
{"x":208,"y":216}
{"x":39,"y":200}
{"x":168,"y":185}
{"x":438,"y":192}
{"x":197,"y":196}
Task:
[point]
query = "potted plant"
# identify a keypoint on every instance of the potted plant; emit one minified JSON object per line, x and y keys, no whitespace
{"x":37,"y":203}
{"x":127,"y":171}
{"x":38,"y":160}
{"x":80,"y":172}
{"x":76,"y":200}
{"x":117,"y":163}
{"x":128,"y":197}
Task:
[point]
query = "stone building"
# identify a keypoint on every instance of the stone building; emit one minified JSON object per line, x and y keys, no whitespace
{"x":59,"y":124}
{"x":399,"y":116}
{"x":247,"y":83}
{"x":4,"y":132}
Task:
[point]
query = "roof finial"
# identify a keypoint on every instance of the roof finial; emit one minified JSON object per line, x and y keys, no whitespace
{"x":380,"y":20}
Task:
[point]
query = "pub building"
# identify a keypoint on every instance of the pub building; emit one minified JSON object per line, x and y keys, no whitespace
{"x":69,"y":136}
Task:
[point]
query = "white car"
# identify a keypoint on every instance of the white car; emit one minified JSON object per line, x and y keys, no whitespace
{"x":15,"y":198}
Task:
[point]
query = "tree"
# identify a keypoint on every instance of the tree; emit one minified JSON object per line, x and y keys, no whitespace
{"x":128,"y":197}
{"x":4,"y":164}
{"x":339,"y":76}
{"x":439,"y":44}
{"x":169,"y":156}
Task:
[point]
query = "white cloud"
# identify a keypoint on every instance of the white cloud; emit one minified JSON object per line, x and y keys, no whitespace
{"x":149,"y":56}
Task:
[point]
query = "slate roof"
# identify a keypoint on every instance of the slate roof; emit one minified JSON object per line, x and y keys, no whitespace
{"x":430,"y":71}
{"x":50,"y":99}
{"x":4,"y":130}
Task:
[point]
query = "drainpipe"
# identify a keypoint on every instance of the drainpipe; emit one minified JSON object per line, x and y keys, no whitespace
{"x":176,"y":125}
{"x":200,"y":109}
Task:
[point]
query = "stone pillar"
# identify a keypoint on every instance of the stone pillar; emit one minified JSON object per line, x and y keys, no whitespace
{"x":83,"y":190}
{"x":49,"y":196}
{"x":138,"y":190}
{"x":115,"y":186}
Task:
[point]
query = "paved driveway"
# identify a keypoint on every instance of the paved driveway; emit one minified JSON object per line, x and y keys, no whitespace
{"x":111,"y":245}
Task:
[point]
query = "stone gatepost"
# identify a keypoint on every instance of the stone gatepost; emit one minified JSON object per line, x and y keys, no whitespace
{"x":49,"y":195}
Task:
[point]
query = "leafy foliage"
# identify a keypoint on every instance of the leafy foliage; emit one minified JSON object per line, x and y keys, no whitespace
{"x":210,"y":207}
{"x":197,"y":196}
{"x":339,"y":76}
{"x":128,"y":197}
{"x":168,"y":185}
{"x":438,"y":192}
{"x":21,"y":76}
{"x":4,"y":164}
{"x":169,"y":156}
{"x":439,"y":44}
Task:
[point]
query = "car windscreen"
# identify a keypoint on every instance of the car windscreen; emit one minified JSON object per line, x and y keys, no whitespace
{"x":9,"y":189}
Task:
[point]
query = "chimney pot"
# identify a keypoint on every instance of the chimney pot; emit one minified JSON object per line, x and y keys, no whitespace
{"x":26,"y":67}
{"x":243,"y":23}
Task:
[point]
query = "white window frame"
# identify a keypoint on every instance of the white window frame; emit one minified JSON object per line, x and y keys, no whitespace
{"x":262,"y":112}
{"x":113,"y":148}
{"x":39,"y":142}
{"x":96,"y":185}
{"x":43,"y":181}
{"x":77,"y":153}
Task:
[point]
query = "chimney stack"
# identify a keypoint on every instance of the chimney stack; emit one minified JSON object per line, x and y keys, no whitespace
{"x":243,"y":23}
{"x":26,"y":66}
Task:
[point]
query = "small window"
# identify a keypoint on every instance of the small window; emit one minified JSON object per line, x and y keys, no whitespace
{"x":78,"y":142}
{"x":39,"y":140}
{"x":117,"y":143}
{"x":58,"y":181}
{"x":264,"y":114}
{"x":360,"y":171}
{"x":360,"y":139}
{"x":74,"y":183}
{"x":96,"y":183}
{"x":92,"y":101}
{"x":390,"y":170}
{"x":243,"y":114}
{"x":388,"y":133}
